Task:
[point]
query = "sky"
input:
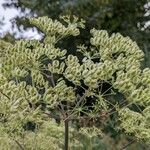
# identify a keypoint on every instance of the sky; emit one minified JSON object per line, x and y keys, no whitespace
{"x":8,"y":16}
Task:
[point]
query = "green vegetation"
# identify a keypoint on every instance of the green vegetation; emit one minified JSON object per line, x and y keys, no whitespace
{"x":44,"y":87}
{"x":127,"y":17}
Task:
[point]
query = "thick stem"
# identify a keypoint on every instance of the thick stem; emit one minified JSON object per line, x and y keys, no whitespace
{"x":66,"y":134}
{"x":90,"y":143}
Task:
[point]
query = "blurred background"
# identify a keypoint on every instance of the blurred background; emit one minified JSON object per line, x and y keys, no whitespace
{"x":129,"y":17}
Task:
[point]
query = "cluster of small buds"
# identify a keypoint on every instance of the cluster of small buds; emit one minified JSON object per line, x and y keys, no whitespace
{"x":9,"y":88}
{"x":145,"y":79}
{"x":129,"y":79}
{"x":17,"y":57}
{"x":146,"y":113}
{"x":17,"y":72}
{"x":133,"y":119}
{"x":56,"y":67}
{"x":25,"y":55}
{"x":126,"y":81}
{"x":31,"y":94}
{"x":73,"y":70}
{"x":12,"y":98}
{"x":61,"y":92}
{"x":74,"y":20}
{"x":50,"y":27}
{"x":3,"y":79}
{"x":118,"y":62}
{"x":110,"y":46}
{"x":135,"y":123}
{"x":49,"y":50}
{"x":37,"y":78}
{"x":93,"y":73}
{"x":47,"y":25}
{"x":140,"y":96}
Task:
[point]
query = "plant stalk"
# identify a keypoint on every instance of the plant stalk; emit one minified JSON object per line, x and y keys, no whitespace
{"x":66,"y":134}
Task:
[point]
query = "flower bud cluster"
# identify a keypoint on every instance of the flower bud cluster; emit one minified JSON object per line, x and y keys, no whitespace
{"x":37,"y":78}
{"x":13,"y":98}
{"x":114,"y":45}
{"x":25,"y":55}
{"x":17,"y":72}
{"x":56,"y":67}
{"x":118,"y":62}
{"x":61,"y":92}
{"x":93,"y":73}
{"x":135,"y":123}
{"x":145,"y":78}
{"x":73,"y":70}
{"x":50,"y":27}
{"x":141,"y":96}
{"x":51,"y":52}
{"x":129,"y":79}
{"x":126,"y":81}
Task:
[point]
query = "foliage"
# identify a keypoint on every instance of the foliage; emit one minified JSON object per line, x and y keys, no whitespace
{"x":42,"y":85}
{"x":129,"y":17}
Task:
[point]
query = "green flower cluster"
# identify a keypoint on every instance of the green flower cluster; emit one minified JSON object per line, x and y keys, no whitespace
{"x":34,"y":72}
{"x":73,"y":70}
{"x":61,"y":92}
{"x":50,"y":27}
{"x":136,"y":123}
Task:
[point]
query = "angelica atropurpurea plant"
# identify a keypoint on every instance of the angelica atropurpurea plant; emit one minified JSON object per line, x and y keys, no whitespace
{"x":43,"y":87}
